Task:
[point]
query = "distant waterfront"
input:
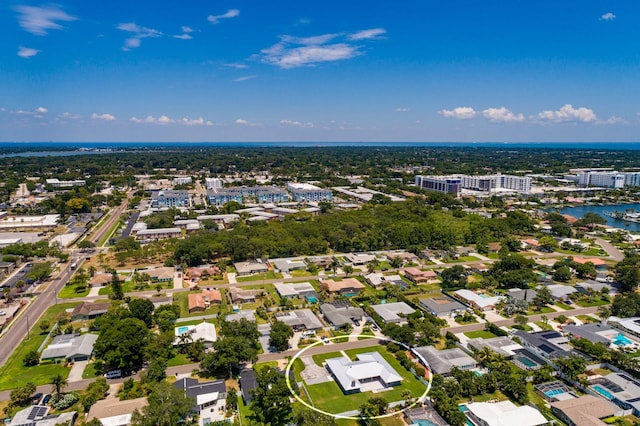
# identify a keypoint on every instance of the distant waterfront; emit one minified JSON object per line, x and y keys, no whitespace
{"x":579,"y":211}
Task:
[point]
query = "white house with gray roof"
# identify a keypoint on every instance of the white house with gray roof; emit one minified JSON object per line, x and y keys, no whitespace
{"x":71,"y":347}
{"x":370,"y":371}
{"x":339,"y":316}
{"x":561,"y":292}
{"x":302,"y":319}
{"x":294,"y":290}
{"x":395,"y":312}
{"x":441,"y":362}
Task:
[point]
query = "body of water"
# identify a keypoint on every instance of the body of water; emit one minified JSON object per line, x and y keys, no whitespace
{"x":579,"y":211}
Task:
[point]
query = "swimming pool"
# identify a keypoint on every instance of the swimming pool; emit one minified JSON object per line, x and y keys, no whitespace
{"x":463,"y":408}
{"x":622,"y":340}
{"x":312,"y":299}
{"x":526,"y":362}
{"x":602,"y":391}
{"x":553,"y":392}
{"x":182,"y":329}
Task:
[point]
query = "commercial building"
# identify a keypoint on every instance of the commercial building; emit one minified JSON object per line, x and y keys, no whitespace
{"x":213,"y":183}
{"x":454,"y":184}
{"x":169,"y":198}
{"x":249,"y":194}
{"x":305,"y":192}
{"x":158,"y":234}
{"x":55,"y":183}
{"x":182,"y":180}
{"x":370,"y":371}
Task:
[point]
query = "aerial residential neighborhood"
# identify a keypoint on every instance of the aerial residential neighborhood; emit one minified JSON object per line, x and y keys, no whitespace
{"x":485,"y":305}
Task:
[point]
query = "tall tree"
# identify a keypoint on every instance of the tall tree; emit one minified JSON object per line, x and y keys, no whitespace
{"x":166,"y":406}
{"x":271,"y":404}
{"x":280,"y":335}
{"x":58,"y":382}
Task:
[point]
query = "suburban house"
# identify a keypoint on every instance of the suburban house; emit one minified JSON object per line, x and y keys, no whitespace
{"x":481,"y":301}
{"x":426,"y":415}
{"x":89,"y":310}
{"x":199,"y":302}
{"x":443,"y":306}
{"x":114,"y":412}
{"x":243,"y":296}
{"x":209,"y":398}
{"x":504,"y":413}
{"x":288,"y":265}
{"x":561,"y":292}
{"x":250,"y":268}
{"x":548,"y":345}
{"x":370,"y":371}
{"x":417,"y":276}
{"x":346,"y":287}
{"x":587,"y":410}
{"x":247,"y":382}
{"x":339,"y":315}
{"x":70,"y":347}
{"x":38,"y":415}
{"x":357,"y":259}
{"x":202,"y":271}
{"x":301,"y":319}
{"x":164,"y":274}
{"x":441,"y":362}
{"x":101,"y":279}
{"x":502,"y":345}
{"x":296,"y":290}
{"x":405,"y":256}
{"x":395,"y":312}
{"x":377,"y":280}
{"x":237,"y":316}
{"x":597,"y":262}
{"x":205,"y":331}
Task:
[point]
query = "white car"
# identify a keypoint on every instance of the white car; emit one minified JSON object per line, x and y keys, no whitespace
{"x":2,"y":313}
{"x":325,"y":340}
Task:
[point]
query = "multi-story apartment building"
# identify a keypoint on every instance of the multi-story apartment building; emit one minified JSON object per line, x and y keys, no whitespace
{"x":161,"y":199}
{"x":606,"y":179}
{"x":306,"y":192}
{"x":445,"y":184}
{"x":250,"y":194}
{"x":453,"y":184}
{"x":55,"y":183}
{"x":213,"y":183}
{"x":181,"y":180}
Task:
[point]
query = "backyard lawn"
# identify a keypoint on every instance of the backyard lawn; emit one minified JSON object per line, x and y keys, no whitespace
{"x":329,"y":396}
{"x":69,"y":292}
{"x":13,"y":374}
{"x":484,"y":334}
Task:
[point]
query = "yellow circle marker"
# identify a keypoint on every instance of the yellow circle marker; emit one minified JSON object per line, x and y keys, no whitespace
{"x":419,"y":400}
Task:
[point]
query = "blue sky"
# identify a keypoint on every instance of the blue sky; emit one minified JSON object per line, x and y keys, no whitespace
{"x":510,"y":70}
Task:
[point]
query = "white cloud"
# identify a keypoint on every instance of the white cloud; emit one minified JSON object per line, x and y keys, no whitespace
{"x":138,"y":34}
{"x":460,"y":113}
{"x":245,"y":78}
{"x":196,"y":122}
{"x":231,"y":13}
{"x":137,"y":120}
{"x":502,"y":115}
{"x":241,"y":121}
{"x":70,"y":116}
{"x":306,"y":125}
{"x":402,"y":109}
{"x":608,"y":17}
{"x":163,"y":119}
{"x":37,"y":20}
{"x":614,"y":120}
{"x":237,"y":66}
{"x":103,"y":117}
{"x":293,"y":52}
{"x":27,"y":52}
{"x":186,"y":31}
{"x":41,"y":110}
{"x":368,"y":34}
{"x":569,"y":113}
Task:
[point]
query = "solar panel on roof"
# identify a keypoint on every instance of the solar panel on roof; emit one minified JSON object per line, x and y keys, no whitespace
{"x":546,"y":348}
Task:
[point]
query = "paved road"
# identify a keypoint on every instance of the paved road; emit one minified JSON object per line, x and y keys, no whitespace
{"x":613,"y":251}
{"x":106,"y":225}
{"x":531,"y":318}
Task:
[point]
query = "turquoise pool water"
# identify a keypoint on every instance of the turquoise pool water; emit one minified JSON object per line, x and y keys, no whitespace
{"x":602,"y":391}
{"x":350,"y":294}
{"x":553,"y":392}
{"x":182,"y":329}
{"x":526,"y":362}
{"x":463,"y":408}
{"x":622,"y":340}
{"x":312,"y":299}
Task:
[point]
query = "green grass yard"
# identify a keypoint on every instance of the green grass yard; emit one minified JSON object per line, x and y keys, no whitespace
{"x":14,"y":374}
{"x":479,"y":333}
{"x":69,"y":292}
{"x":270,"y":275}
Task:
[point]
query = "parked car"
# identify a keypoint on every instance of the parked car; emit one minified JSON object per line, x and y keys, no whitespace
{"x":325,"y":340}
{"x":36,"y":397}
{"x":46,"y":399}
{"x":356,"y":322}
{"x":113,"y":374}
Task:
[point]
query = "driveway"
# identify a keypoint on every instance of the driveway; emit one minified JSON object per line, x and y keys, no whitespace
{"x":313,"y":374}
{"x":75,"y":375}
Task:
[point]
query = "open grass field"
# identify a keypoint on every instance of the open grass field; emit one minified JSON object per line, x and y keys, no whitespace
{"x":69,"y":292}
{"x":260,"y":277}
{"x":14,"y":374}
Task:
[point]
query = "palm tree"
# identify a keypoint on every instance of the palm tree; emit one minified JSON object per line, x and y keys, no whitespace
{"x":58,"y":382}
{"x":348,"y":269}
{"x":334,"y":265}
{"x":604,"y":312}
{"x":372,"y":265}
